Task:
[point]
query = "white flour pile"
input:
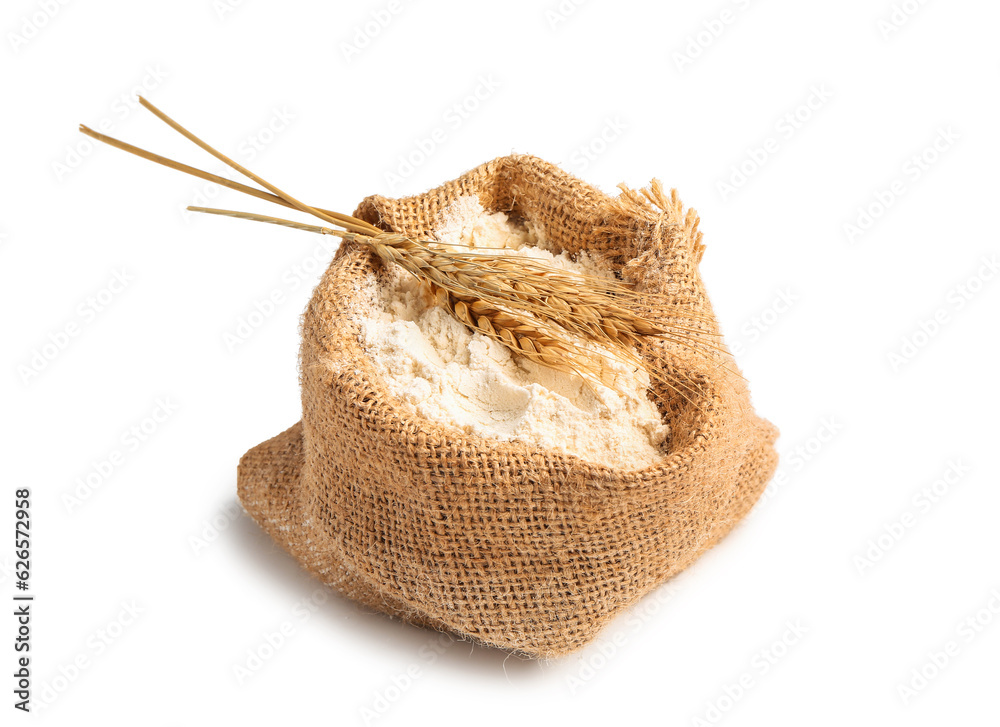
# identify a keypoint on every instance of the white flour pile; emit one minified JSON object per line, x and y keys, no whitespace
{"x":447,"y":374}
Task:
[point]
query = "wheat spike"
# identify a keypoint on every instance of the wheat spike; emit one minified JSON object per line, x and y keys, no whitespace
{"x":541,"y":313}
{"x":559,"y":304}
{"x":550,"y":316}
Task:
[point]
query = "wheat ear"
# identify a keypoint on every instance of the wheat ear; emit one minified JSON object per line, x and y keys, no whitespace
{"x":478,"y":289}
{"x":535,"y":310}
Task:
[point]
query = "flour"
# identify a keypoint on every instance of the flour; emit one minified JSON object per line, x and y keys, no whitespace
{"x":443,"y":372}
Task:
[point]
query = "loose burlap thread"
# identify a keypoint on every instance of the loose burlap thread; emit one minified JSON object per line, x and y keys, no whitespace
{"x":515,"y":546}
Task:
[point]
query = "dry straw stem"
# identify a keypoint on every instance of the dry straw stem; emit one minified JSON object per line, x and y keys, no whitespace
{"x":539,"y":312}
{"x":563,"y":320}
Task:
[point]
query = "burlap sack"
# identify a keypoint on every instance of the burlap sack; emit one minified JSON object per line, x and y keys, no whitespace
{"x":514,"y":546}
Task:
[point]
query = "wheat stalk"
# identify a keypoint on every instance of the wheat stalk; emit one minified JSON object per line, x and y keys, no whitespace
{"x":544,"y":314}
{"x":549,"y":316}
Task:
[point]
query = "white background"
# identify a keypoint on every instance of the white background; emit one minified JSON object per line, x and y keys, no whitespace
{"x":861,"y":544}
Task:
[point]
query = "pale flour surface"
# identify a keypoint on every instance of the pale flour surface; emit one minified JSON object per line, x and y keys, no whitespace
{"x":443,"y":372}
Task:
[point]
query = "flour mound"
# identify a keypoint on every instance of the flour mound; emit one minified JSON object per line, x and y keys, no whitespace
{"x":442,"y":371}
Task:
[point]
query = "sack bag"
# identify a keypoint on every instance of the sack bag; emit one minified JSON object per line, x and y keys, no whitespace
{"x":514,"y":546}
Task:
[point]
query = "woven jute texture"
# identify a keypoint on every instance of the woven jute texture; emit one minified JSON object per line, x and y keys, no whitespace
{"x":514,"y":546}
